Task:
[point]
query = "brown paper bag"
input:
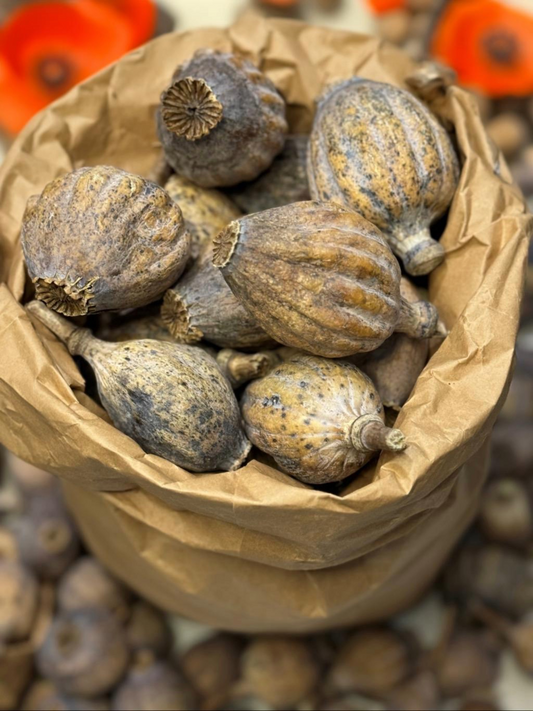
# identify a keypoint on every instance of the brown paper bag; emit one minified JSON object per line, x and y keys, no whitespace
{"x":255,"y":550}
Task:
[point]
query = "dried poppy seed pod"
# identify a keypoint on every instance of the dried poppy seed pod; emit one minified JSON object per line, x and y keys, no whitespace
{"x":221,"y":121}
{"x":101,"y":239}
{"x":279,"y":670}
{"x":148,"y":327}
{"x":212,"y":667}
{"x":380,"y":151}
{"x":519,"y":636}
{"x":153,"y":685}
{"x":31,"y":480}
{"x":202,"y":306}
{"x":467,"y":662}
{"x":19,"y":593}
{"x":205,"y":211}
{"x":321,"y":420}
{"x":394,"y":367}
{"x":418,"y":693}
{"x":44,"y":696}
{"x":84,"y":653}
{"x":372,"y":661}
{"x":240,"y":368}
{"x":87,"y":584}
{"x":505,"y":513}
{"x":148,"y":629}
{"x":319,"y":277}
{"x":47,"y":540}
{"x":171,"y":399}
{"x":283,"y":183}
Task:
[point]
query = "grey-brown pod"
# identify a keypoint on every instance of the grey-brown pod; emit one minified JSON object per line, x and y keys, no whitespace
{"x":101,"y":239}
{"x":84,"y":653}
{"x":321,"y":420}
{"x":44,"y":696}
{"x":153,"y":685}
{"x":394,"y":367}
{"x":171,"y":399}
{"x":212,"y":667}
{"x":380,"y":151}
{"x":319,"y":277}
{"x":87,"y":584}
{"x":202,"y":306}
{"x":221,"y":120}
{"x":204,"y":210}
{"x":19,"y":595}
{"x":148,"y":629}
{"x":284,"y":182}
{"x":151,"y":327}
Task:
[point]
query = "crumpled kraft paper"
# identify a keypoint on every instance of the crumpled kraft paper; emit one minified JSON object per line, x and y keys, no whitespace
{"x":255,"y":550}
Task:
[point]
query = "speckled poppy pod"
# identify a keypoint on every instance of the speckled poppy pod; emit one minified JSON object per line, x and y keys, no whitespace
{"x":101,"y":239}
{"x":321,"y":420}
{"x":173,"y":400}
{"x":221,"y":120}
{"x":319,"y":277}
{"x":380,"y":151}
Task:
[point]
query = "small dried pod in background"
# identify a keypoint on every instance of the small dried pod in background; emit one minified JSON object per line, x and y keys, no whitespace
{"x":418,"y":693}
{"x":19,"y":597}
{"x":518,"y":635}
{"x":321,"y":420}
{"x":84,"y":653}
{"x":240,"y":368}
{"x":283,"y":183}
{"x":153,"y":685}
{"x":505,"y":512}
{"x":281,"y":671}
{"x":414,"y":167}
{"x":171,"y":399}
{"x":221,"y":120}
{"x":148,"y":629}
{"x":319,"y":277}
{"x":44,"y":696}
{"x":87,"y":584}
{"x":202,"y":306}
{"x":394,"y":367}
{"x":47,"y":540}
{"x":510,"y":131}
{"x":468,"y":661}
{"x":213,"y":667}
{"x":205,"y":211}
{"x":371,"y":661}
{"x":30,"y":480}
{"x":101,"y":239}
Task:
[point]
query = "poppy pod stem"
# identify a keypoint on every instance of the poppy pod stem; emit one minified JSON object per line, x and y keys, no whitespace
{"x":240,"y":368}
{"x":369,"y":433}
{"x":419,"y":320}
{"x":419,"y":252}
{"x":190,"y":109}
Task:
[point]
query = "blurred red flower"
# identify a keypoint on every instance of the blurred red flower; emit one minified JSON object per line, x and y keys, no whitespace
{"x":48,"y":47}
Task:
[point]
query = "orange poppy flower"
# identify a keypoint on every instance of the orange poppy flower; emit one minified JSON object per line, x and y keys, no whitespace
{"x":140,"y":14}
{"x":489,"y":44}
{"x":46,"y":48}
{"x":381,"y":6}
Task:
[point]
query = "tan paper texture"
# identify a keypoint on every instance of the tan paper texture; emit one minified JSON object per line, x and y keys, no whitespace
{"x":255,"y":550}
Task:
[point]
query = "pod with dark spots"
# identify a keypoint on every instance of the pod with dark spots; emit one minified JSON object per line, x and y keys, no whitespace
{"x":505,"y":513}
{"x":372,"y":661}
{"x":319,"y":277}
{"x":240,"y":368}
{"x":153,"y":685}
{"x":171,"y":399}
{"x":212,"y":667}
{"x":19,"y":594}
{"x":148,"y":629}
{"x":321,"y":420}
{"x":281,"y":671}
{"x":394,"y":367}
{"x":205,"y":211}
{"x":221,"y":120}
{"x":87,"y":584}
{"x":101,"y":239}
{"x":283,"y":183}
{"x":380,"y":151}
{"x":84,"y":653}
{"x":202,"y":306}
{"x":47,"y":540}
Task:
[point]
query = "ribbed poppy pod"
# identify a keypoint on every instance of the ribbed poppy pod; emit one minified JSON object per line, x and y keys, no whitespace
{"x":321,"y":420}
{"x":102,"y":239}
{"x":378,"y":150}
{"x":319,"y":277}
{"x":221,"y":120}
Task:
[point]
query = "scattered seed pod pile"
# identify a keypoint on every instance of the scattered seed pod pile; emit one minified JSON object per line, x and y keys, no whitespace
{"x":251,"y":246}
{"x":97,"y":646}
